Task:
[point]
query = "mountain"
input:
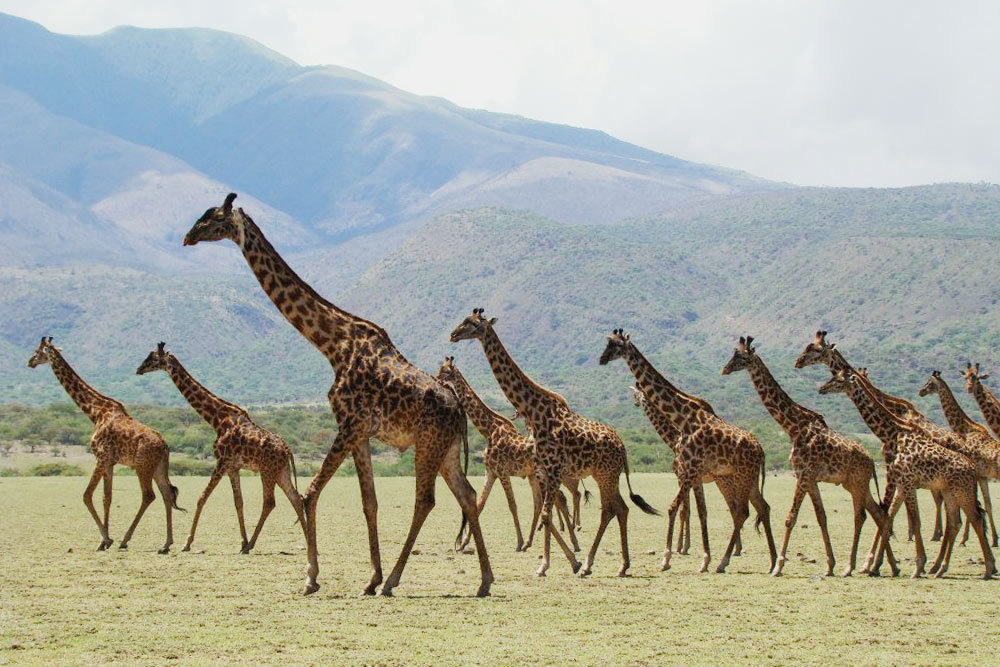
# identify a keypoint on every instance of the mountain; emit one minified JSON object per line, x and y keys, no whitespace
{"x":132,"y":118}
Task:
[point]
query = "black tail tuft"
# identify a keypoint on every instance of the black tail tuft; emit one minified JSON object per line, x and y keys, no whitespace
{"x":757,"y":523}
{"x":175,"y":493}
{"x":643,"y":505}
{"x":461,"y":532}
{"x":586,"y":497}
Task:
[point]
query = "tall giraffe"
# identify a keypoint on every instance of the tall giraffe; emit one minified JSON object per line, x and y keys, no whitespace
{"x":239,"y":444}
{"x":819,"y":351}
{"x":507,"y":454}
{"x":566,"y":444}
{"x":376,"y":393}
{"x":709,"y":448}
{"x":818,"y":454}
{"x":981,"y":448}
{"x":914,"y":460}
{"x":117,"y":439}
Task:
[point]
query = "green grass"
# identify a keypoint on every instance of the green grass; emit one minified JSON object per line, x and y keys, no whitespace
{"x":61,"y":602}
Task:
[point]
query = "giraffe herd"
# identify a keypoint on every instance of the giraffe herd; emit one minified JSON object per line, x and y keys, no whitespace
{"x":378,"y":393}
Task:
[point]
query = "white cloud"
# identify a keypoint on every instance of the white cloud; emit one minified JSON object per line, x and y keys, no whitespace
{"x":828,"y":93}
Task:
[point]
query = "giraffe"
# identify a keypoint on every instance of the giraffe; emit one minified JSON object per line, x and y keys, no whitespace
{"x":914,"y":460}
{"x":239,"y":444}
{"x":566,"y":445}
{"x":818,"y":454}
{"x":982,"y":449}
{"x":672,"y":437}
{"x":507,"y":453}
{"x":710,"y":449}
{"x":988,"y":403}
{"x":819,"y":351}
{"x":377,"y":393}
{"x":117,"y":439}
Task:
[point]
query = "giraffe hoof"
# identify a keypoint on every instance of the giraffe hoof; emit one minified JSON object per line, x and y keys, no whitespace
{"x":875,"y":573}
{"x":123,"y":546}
{"x":577,"y":565}
{"x":105,"y":544}
{"x":245,"y":551}
{"x":387,"y":592}
{"x":370,"y":590}
{"x":187,"y":547}
{"x":484,"y":591}
{"x":163,"y":551}
{"x":311,"y":587}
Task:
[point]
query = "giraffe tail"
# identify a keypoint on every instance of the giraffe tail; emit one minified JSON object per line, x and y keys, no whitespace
{"x":636,"y":498}
{"x":295,"y":474}
{"x":878,"y":494}
{"x":173,"y":501}
{"x":586,"y":494}
{"x":759,"y":520}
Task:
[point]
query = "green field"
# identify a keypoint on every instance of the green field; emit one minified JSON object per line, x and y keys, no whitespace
{"x":61,"y":602}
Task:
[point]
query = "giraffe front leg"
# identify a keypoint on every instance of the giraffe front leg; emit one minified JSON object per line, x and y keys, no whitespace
{"x":109,"y":476}
{"x":267,"y":484}
{"x":793,"y":516}
{"x":491,"y":478}
{"x":511,"y":505}
{"x":817,"y":501}
{"x":369,"y":504}
{"x":234,"y":481}
{"x":88,"y":501}
{"x":336,"y":455}
{"x":212,"y":482}
{"x":146,"y":485}
{"x":671,"y":518}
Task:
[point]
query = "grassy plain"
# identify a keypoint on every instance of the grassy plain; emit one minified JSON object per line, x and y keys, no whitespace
{"x":61,"y":602}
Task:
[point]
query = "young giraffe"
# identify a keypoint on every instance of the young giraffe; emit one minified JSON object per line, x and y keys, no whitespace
{"x":914,"y":460}
{"x":507,"y":454}
{"x":983,"y":450}
{"x":818,"y":454}
{"x":821,"y":352}
{"x":671,"y":437}
{"x":117,"y":439}
{"x":239,"y":444}
{"x":376,"y":393}
{"x":710,"y":448}
{"x":566,"y":444}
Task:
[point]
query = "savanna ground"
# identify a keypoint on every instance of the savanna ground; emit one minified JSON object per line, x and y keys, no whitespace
{"x":62,"y":602}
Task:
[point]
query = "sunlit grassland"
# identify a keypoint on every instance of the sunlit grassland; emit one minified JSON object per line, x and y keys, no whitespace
{"x":61,"y":602}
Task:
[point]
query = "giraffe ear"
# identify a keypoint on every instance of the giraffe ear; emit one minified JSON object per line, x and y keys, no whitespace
{"x":227,"y":206}
{"x":983,"y":377}
{"x":160,"y":346}
{"x":493,"y":321}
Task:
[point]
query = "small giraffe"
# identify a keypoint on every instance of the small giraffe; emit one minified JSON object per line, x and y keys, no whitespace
{"x":239,"y":444}
{"x":982,"y":449}
{"x":508,"y":454}
{"x":671,"y":437}
{"x":709,"y":448}
{"x":914,"y":460}
{"x":377,"y":393}
{"x":117,"y":439}
{"x":818,"y":454}
{"x":566,"y":444}
{"x":819,"y":351}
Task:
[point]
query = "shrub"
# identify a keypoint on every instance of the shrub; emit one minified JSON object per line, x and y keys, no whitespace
{"x":56,"y":470}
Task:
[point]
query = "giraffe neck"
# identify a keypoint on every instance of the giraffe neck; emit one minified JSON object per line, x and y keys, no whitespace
{"x":684,"y":411}
{"x":485,"y":420}
{"x":899,"y":406}
{"x":989,"y":405}
{"x":958,"y":420}
{"x":790,"y":415}
{"x":212,"y":409}
{"x":93,"y":404}
{"x":529,"y":398}
{"x":663,"y":427}
{"x":886,"y":426}
{"x":333,"y":331}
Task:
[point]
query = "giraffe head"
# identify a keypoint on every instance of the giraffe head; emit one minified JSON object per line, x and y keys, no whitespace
{"x":217,"y":223}
{"x":155,"y":361}
{"x":618,"y":341}
{"x":43,"y":353}
{"x":473,"y":326}
{"x":816,"y":352}
{"x":838,"y":383}
{"x":743,"y":355}
{"x":448,"y":371}
{"x":637,"y":396}
{"x":933,"y":384}
{"x":972,"y":376}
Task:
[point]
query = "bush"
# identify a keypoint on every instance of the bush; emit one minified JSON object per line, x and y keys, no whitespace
{"x":56,"y":470}
{"x":9,"y":472}
{"x":188,"y":467}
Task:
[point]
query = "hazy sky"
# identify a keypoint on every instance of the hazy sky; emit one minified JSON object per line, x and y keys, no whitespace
{"x":816,"y":93}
